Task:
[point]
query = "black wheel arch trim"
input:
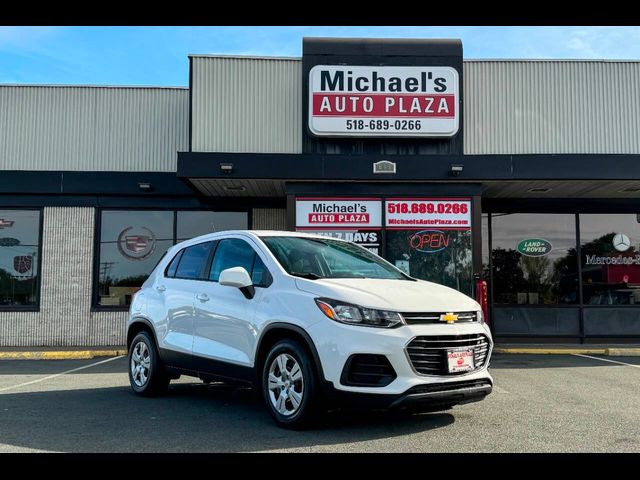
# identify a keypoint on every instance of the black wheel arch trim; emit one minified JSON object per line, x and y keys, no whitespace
{"x":148,"y":324}
{"x":299,"y":330}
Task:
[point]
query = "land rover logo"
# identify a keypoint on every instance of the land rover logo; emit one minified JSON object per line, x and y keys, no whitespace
{"x":621,"y":242}
{"x":534,"y":247}
{"x":136,"y":243}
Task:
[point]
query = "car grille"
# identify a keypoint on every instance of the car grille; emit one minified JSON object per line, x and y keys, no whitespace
{"x":413,"y":318}
{"x":428,"y":354}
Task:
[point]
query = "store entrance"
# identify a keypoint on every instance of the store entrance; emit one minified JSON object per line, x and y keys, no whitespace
{"x":427,"y":237}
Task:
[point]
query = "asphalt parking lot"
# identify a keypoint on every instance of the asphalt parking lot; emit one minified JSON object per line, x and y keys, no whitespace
{"x":541,"y":403}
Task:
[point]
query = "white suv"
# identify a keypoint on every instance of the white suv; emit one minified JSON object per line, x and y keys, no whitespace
{"x":309,"y":320}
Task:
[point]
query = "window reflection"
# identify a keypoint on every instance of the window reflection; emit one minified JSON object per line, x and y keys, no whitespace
{"x":437,"y":255}
{"x":19,"y":248}
{"x":610,"y":259}
{"x":534,"y":258}
{"x":132,"y":243}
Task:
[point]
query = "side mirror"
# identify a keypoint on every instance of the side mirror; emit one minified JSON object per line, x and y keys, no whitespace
{"x":238,"y":277}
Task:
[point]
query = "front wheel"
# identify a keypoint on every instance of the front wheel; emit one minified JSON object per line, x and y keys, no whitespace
{"x":146,"y":373}
{"x":289,"y":385}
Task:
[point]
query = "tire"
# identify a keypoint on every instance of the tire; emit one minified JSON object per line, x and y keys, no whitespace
{"x":292,"y":398}
{"x":156,"y":381}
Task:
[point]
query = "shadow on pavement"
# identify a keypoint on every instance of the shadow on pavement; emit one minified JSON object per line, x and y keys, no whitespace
{"x":190,"y":418}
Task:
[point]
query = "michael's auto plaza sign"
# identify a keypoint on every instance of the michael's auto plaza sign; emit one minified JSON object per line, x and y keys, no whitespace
{"x":379,"y":101}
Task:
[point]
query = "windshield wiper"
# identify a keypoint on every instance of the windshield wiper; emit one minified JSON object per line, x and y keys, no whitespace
{"x":308,"y":275}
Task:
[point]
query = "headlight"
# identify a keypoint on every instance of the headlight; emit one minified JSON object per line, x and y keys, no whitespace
{"x":480,"y":316}
{"x":356,"y":315}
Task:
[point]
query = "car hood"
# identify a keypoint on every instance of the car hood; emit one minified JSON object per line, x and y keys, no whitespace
{"x":397,"y":295}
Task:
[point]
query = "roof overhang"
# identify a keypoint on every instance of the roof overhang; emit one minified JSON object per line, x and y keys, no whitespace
{"x":501,"y":176}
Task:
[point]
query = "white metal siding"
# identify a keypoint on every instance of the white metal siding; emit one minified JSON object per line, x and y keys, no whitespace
{"x":247,"y":105}
{"x":517,"y":107}
{"x":65,"y":317}
{"x":92,"y":128}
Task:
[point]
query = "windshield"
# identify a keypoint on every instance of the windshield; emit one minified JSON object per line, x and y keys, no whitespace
{"x":327,"y":258}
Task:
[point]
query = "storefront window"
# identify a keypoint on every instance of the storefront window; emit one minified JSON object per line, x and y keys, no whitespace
{"x":193,"y":224}
{"x":19,"y":257}
{"x":437,"y":255}
{"x":610,"y":254}
{"x":133,"y":242}
{"x":534,"y":259}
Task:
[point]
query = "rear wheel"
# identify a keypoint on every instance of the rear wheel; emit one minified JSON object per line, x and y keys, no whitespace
{"x":146,"y":373}
{"x":289,"y":385}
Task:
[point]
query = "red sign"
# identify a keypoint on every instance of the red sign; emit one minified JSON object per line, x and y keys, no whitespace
{"x":338,"y":218}
{"x":389,"y":105}
{"x":417,"y":213}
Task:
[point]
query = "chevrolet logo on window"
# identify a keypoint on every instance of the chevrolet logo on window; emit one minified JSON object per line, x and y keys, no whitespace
{"x":448,"y":317}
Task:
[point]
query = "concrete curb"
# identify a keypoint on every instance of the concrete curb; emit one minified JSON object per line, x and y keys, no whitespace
{"x":61,"y":355}
{"x":612,"y":352}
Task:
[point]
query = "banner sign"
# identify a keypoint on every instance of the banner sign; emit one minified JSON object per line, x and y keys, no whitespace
{"x":332,"y":213}
{"x":421,"y":213}
{"x":378,"y":101}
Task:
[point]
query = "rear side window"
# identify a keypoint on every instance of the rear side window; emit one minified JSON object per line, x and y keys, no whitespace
{"x":192,"y":262}
{"x":233,"y":252}
{"x":173,"y":266}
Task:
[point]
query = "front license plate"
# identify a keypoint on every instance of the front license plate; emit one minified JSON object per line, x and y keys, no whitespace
{"x":460,"y":360}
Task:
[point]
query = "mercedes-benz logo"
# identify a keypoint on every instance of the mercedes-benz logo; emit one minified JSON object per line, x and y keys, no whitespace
{"x":621,"y":242}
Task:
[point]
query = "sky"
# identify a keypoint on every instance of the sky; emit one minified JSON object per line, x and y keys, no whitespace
{"x":158,"y":55}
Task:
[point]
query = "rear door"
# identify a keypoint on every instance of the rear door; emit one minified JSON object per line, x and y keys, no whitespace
{"x":179,"y":288}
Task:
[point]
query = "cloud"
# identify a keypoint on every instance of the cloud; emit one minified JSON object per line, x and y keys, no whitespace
{"x":26,"y":38}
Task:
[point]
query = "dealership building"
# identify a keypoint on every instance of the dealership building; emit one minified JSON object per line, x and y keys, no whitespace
{"x":525,"y":173}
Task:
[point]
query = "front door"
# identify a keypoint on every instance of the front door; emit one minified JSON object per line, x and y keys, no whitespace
{"x":224,"y":328}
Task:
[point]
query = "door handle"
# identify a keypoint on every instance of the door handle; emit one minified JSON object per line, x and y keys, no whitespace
{"x":161,"y":288}
{"x":203,"y":297}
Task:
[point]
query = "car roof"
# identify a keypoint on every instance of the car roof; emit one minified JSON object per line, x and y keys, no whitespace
{"x":251,"y":234}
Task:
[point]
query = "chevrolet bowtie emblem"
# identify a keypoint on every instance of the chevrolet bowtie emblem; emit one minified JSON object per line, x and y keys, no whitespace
{"x":448,"y":317}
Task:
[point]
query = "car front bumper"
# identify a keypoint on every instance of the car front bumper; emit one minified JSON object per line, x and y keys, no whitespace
{"x":336,"y":342}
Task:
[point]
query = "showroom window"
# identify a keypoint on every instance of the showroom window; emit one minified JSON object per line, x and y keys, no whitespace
{"x":19,"y":258}
{"x":534,"y":259}
{"x":437,"y":255}
{"x":132,"y":242}
{"x":610,"y":256}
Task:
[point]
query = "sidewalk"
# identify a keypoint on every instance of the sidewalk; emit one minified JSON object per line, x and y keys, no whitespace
{"x":612,"y":350}
{"x":60,"y":353}
{"x":84,"y":353}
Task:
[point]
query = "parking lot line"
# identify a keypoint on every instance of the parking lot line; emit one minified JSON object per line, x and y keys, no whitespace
{"x":500,"y":389}
{"x":607,"y":360}
{"x":49,"y":377}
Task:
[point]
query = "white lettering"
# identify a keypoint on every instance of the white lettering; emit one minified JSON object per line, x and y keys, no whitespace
{"x":325,"y":105}
{"x":388,"y":103}
{"x":367,"y":104}
{"x":443,"y":107}
{"x":429,"y":104}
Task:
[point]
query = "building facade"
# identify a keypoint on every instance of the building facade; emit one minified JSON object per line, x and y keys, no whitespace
{"x":524,"y":173}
